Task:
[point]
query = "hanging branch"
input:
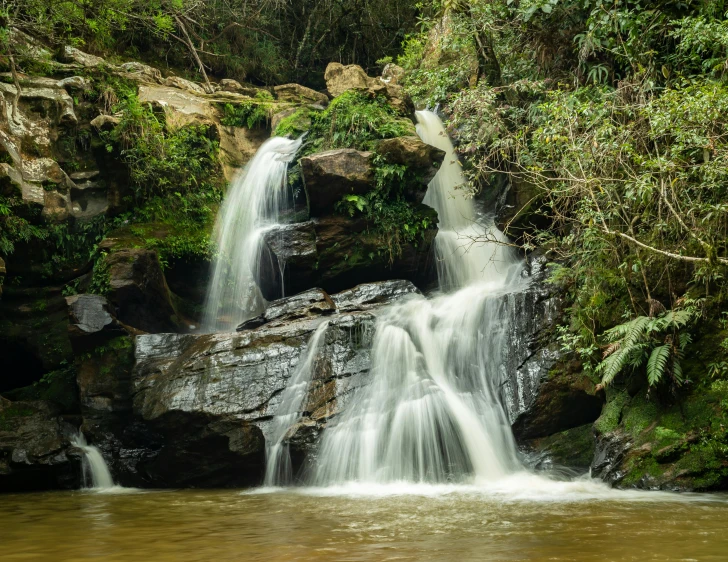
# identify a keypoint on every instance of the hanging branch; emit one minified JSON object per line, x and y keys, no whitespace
{"x":193,"y":51}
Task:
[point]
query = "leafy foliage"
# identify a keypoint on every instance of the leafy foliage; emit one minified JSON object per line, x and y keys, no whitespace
{"x":655,"y":340}
{"x":355,"y":120}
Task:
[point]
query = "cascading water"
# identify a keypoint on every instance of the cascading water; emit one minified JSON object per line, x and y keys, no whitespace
{"x":278,"y":459}
{"x":432,"y":412}
{"x":96,"y":474}
{"x":251,"y":206}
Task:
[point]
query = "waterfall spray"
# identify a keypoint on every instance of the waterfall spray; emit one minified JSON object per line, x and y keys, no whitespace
{"x":251,"y":206}
{"x":96,"y":474}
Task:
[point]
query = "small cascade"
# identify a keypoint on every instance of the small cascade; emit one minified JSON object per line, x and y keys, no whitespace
{"x":251,"y":207}
{"x":96,"y":474}
{"x":278,"y":458}
{"x":466,"y":250}
{"x":433,"y":412}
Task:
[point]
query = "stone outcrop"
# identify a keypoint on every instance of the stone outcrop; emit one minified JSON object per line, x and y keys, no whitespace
{"x":329,"y":176}
{"x":91,"y":322}
{"x":296,"y":93}
{"x":421,"y":159}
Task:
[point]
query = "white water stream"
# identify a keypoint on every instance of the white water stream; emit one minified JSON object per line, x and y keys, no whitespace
{"x":96,"y":474}
{"x":432,"y":412}
{"x":251,"y":206}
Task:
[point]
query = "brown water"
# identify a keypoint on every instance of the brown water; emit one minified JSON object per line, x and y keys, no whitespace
{"x":294,"y":526}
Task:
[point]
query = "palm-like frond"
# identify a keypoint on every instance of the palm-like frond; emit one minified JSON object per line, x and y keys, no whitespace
{"x":657,"y":363}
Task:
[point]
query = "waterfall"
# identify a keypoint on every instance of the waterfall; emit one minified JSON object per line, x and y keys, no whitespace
{"x":251,"y":206}
{"x":432,"y":412}
{"x":278,"y":458}
{"x":95,"y":471}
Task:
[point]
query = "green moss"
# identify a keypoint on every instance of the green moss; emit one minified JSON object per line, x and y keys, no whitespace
{"x":295,"y":124}
{"x":639,"y":415}
{"x":573,"y":447}
{"x":611,"y":413}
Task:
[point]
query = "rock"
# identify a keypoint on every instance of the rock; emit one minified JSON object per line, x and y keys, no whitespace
{"x":340,"y":78}
{"x":392,"y":74}
{"x":309,"y":304}
{"x":139,"y":291}
{"x":296,"y":93}
{"x":58,"y":98}
{"x":330,"y":175}
{"x":200,"y":405}
{"x":228,"y":85}
{"x":142,"y":72}
{"x":372,"y":295}
{"x":105,"y":122}
{"x":91,"y":322}
{"x":237,"y":146}
{"x":71,"y":54}
{"x":75,"y":83}
{"x":182,"y":84}
{"x":422,"y":159}
{"x":566,"y":399}
{"x":351,"y":252}
{"x":180,"y":106}
{"x":33,"y":448}
{"x":292,"y":248}
{"x":573,"y":448}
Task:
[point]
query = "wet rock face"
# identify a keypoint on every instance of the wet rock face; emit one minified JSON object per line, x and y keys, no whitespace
{"x":195,"y":409}
{"x":565,"y":400}
{"x":529,"y":356}
{"x":34,"y":448}
{"x":338,"y":252}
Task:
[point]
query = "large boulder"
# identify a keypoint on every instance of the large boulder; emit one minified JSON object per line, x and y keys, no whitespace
{"x":138,"y":290}
{"x":340,"y":78}
{"x":329,"y":176}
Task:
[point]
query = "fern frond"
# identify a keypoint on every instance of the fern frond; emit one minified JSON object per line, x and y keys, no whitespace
{"x":611,"y":348}
{"x":657,"y":363}
{"x":677,"y":372}
{"x":685,"y":339}
{"x":612,"y":365}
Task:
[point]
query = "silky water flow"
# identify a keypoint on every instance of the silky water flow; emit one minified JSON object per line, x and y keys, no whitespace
{"x":252,"y":206}
{"x":431,"y":412}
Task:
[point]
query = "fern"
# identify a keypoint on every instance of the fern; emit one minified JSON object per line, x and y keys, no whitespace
{"x":657,"y":363}
{"x":655,"y":340}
